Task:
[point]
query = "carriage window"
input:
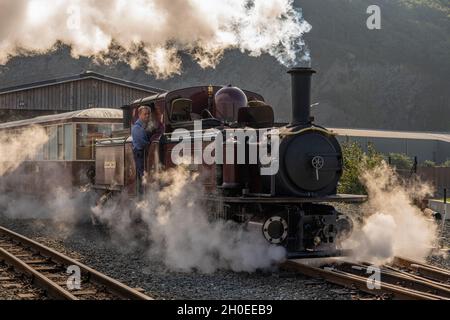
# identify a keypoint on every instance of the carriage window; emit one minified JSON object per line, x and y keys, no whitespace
{"x":60,"y":143}
{"x":68,"y":142}
{"x":86,"y":136}
{"x":84,"y":149}
{"x":117,"y":127}
{"x":51,"y":147}
{"x":101,"y":130}
{"x":40,"y":153}
{"x":45,"y":148}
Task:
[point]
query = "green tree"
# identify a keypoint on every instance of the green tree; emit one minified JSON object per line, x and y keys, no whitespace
{"x":401,"y":161}
{"x":356,"y":161}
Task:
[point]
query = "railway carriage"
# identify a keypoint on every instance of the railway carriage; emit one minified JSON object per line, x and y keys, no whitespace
{"x":67,"y":159}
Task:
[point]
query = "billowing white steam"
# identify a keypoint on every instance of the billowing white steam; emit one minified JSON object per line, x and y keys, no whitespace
{"x":170,"y":218}
{"x":18,"y":181}
{"x":150,"y":33}
{"x":394,"y":226}
{"x":180,"y":233}
{"x":59,"y":205}
{"x":15,"y":148}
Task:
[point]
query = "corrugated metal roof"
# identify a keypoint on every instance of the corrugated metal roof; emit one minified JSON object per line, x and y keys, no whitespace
{"x":97,"y":113}
{"x":82,"y":76}
{"x":436,"y":136}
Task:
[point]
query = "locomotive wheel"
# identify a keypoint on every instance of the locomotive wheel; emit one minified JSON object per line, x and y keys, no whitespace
{"x":275,"y":229}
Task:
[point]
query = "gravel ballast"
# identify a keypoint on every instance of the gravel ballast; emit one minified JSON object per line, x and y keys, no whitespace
{"x":92,"y":245}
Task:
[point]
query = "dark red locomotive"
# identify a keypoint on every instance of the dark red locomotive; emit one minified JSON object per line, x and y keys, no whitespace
{"x":289,"y":206}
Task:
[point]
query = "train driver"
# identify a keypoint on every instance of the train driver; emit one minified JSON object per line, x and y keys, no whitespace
{"x":141,"y":140}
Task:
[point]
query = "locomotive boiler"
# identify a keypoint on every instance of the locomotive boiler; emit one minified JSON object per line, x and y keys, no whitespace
{"x":290,"y":207}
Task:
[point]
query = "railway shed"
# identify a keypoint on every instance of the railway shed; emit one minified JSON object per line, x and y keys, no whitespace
{"x":75,"y":92}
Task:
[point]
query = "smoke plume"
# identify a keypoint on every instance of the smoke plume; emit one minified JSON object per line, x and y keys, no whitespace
{"x":151,"y":33}
{"x":180,"y":233}
{"x":394,"y":226}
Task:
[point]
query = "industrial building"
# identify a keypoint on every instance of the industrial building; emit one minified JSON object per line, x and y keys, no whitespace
{"x":78,"y":92}
{"x":423,"y":145}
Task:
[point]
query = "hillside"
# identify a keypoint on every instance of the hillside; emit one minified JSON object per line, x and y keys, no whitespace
{"x":394,"y":78}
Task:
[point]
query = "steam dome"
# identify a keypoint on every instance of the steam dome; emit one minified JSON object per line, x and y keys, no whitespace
{"x":228,"y":101}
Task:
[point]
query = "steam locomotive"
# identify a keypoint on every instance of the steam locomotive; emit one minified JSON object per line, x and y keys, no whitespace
{"x":290,"y":208}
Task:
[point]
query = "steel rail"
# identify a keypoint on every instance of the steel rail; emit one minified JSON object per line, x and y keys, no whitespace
{"x":353,"y":281}
{"x":53,"y":290}
{"x":417,"y":277}
{"x":406,"y":280}
{"x":113,"y":286}
{"x":428,"y":271}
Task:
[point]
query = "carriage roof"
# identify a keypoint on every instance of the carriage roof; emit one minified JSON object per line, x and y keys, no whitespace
{"x":101,"y":114}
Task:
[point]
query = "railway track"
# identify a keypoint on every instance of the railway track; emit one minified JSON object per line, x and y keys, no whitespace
{"x":52,"y":273}
{"x":402,"y":279}
{"x":13,"y":285}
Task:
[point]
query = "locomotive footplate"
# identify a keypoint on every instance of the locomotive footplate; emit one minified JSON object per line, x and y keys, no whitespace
{"x":348,"y":198}
{"x":318,"y":254}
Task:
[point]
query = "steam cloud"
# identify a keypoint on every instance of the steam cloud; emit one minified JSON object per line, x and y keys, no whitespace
{"x":151,"y":33}
{"x":395,"y":226}
{"x":173,"y":222}
{"x":19,"y":183}
{"x":180,"y":232}
{"x":170,"y":220}
{"x":17,"y":148}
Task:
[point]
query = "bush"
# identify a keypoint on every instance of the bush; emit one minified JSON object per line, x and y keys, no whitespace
{"x":401,"y":161}
{"x":446,"y":164}
{"x":356,"y":161}
{"x":428,"y":164}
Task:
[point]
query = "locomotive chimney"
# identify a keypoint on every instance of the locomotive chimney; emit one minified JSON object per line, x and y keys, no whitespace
{"x":301,"y":95}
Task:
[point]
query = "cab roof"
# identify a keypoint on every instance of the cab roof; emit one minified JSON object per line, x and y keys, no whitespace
{"x":164,"y":95}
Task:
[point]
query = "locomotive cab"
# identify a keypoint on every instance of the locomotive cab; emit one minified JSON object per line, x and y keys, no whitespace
{"x":174,"y":110}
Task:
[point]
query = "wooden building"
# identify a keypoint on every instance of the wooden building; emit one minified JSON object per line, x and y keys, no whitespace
{"x":83,"y":91}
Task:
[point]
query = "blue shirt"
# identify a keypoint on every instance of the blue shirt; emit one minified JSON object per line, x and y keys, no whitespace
{"x":140,"y":136}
